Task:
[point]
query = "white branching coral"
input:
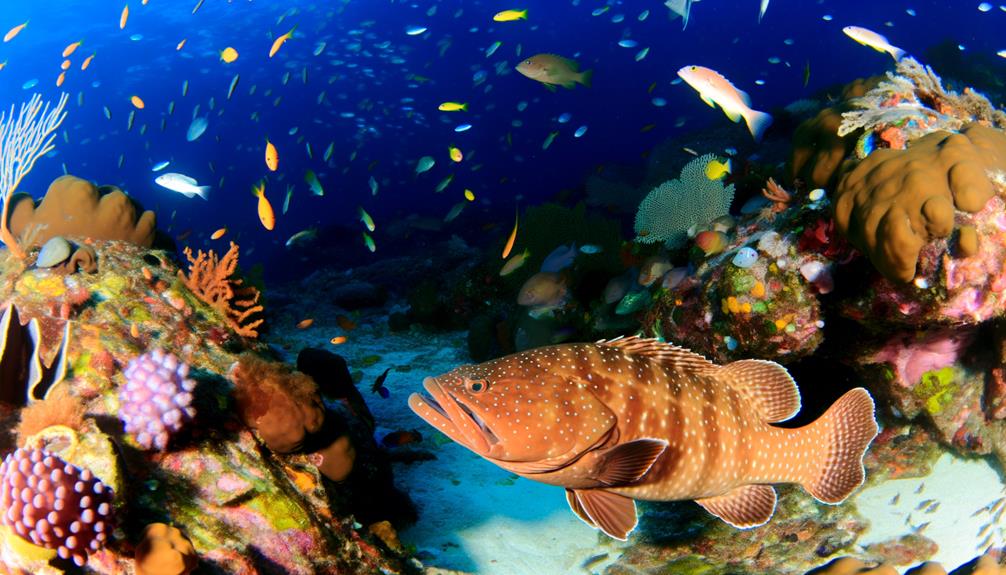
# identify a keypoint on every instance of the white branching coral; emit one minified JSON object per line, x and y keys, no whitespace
{"x":674,"y":207}
{"x":23,"y":139}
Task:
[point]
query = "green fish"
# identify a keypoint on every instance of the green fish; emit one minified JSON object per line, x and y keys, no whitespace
{"x":633,"y":302}
{"x":313,"y":183}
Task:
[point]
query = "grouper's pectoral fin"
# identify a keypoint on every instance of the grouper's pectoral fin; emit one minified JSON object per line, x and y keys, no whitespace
{"x":612,"y":513}
{"x":744,"y":507}
{"x":629,"y":462}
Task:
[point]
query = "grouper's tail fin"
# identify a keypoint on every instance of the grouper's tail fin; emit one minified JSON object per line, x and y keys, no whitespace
{"x":843,"y":433}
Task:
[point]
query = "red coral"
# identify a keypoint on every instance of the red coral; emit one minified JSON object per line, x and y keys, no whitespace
{"x":820,"y":238}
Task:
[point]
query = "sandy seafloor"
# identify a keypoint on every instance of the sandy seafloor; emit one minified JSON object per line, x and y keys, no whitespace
{"x":478,"y":518}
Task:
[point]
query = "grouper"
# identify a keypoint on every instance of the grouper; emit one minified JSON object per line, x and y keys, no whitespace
{"x":639,"y":419}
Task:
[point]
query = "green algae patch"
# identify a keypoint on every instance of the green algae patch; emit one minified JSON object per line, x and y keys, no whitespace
{"x":937,"y":388}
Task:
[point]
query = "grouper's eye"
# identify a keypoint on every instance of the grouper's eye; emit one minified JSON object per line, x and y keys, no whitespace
{"x":527,"y":62}
{"x":476,"y":385}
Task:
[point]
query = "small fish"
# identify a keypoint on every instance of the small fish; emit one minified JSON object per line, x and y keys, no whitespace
{"x":182,"y":184}
{"x":218,"y":234}
{"x":543,"y":291}
{"x":369,"y":242}
{"x":714,"y":89}
{"x":286,"y":199}
{"x":137,"y":102}
{"x":580,"y":131}
{"x":373,"y":186}
{"x":265,"y":213}
{"x":549,"y":139}
{"x":345,"y":323}
{"x":711,"y":242}
{"x":401,"y":437}
{"x":233,"y":86}
{"x":302,"y":237}
{"x":180,"y":45}
{"x":124,"y":17}
{"x":559,"y":259}
{"x":454,"y":212}
{"x":378,"y":386}
{"x":761,"y":10}
{"x":453,"y":107}
{"x":196,"y":128}
{"x":415,"y":30}
{"x":305,"y":323}
{"x":60,"y":79}
{"x":492,"y":48}
{"x":469,"y":195}
{"x":920,"y":488}
{"x":590,"y":249}
{"x":366,"y":219}
{"x":278,"y":42}
{"x":924,"y":503}
{"x":424,"y":164}
{"x":510,"y":15}
{"x":515,"y":263}
{"x":71,"y":48}
{"x":552,"y":70}
{"x":894,"y":500}
{"x":455,"y":154}
{"x":652,"y":421}
{"x":873,"y":40}
{"x":442,"y":185}
{"x":228,"y":55}
{"x":86,"y":62}
{"x":806,"y":73}
{"x":338,"y":340}
{"x":160,"y":166}
{"x":14,"y":32}
{"x":271,"y":156}
{"x":313,"y":183}
{"x":513,"y":237}
{"x":717,"y":170}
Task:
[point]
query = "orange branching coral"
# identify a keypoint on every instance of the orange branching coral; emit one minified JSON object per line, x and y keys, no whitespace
{"x":212,"y":279}
{"x":777,"y":194}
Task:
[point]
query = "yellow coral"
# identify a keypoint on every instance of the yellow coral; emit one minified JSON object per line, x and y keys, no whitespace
{"x":50,"y":286}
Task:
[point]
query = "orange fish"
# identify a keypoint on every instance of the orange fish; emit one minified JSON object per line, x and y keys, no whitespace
{"x":124,"y":17}
{"x":305,"y":323}
{"x":634,"y":418}
{"x":14,"y":32}
{"x":338,"y":340}
{"x":137,"y":102}
{"x":181,"y":45}
{"x":3,"y":64}
{"x":71,"y":48}
{"x":265,"y":213}
{"x":278,"y":43}
{"x":65,"y":65}
{"x":218,"y":234}
{"x":511,"y":239}
{"x":271,"y":156}
{"x":86,"y":62}
{"x":345,"y":323}
{"x":60,"y":79}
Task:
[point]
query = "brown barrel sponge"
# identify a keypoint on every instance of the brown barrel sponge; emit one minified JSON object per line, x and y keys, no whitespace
{"x":76,"y":207}
{"x":895,"y":201}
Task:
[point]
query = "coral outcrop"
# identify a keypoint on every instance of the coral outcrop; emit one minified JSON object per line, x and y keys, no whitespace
{"x":212,"y":279}
{"x":75,"y":207}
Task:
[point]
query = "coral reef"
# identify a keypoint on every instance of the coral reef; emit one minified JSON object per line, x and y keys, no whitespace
{"x":212,"y":279}
{"x":156,"y":401}
{"x":75,"y":207}
{"x":676,"y":206}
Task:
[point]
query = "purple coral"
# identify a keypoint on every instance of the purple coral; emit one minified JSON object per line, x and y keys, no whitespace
{"x":156,"y":401}
{"x":54,"y":504}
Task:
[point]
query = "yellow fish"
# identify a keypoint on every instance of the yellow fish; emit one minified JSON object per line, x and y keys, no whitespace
{"x":515,"y":263}
{"x":455,"y":153}
{"x":271,"y":156}
{"x":228,"y":55}
{"x":651,"y":421}
{"x":716,"y":169}
{"x":469,"y":195}
{"x":71,"y":48}
{"x":14,"y":32}
{"x":137,"y":102}
{"x":278,"y":43}
{"x":218,"y":234}
{"x":510,"y":15}
{"x":453,"y":107}
{"x":265,"y":213}
{"x":124,"y":17}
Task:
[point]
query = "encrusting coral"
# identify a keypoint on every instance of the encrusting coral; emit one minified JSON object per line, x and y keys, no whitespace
{"x":75,"y":207}
{"x":211,"y":279}
{"x":164,"y":550}
{"x":896,"y":201}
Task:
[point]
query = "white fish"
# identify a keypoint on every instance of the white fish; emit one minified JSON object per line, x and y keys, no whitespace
{"x":762,"y":9}
{"x":182,"y":184}
{"x":196,"y":128}
{"x":681,"y":8}
{"x":736,"y":104}
{"x":873,"y":40}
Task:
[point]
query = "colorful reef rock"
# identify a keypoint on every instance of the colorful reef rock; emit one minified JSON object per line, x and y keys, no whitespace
{"x":634,"y":418}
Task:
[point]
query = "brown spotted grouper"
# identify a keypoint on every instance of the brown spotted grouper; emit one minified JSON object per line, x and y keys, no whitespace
{"x":634,"y":418}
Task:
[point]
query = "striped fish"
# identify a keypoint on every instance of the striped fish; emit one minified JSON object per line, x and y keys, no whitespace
{"x":637,"y":419}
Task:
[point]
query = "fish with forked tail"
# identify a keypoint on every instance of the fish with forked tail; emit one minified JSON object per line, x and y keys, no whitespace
{"x":633,"y":418}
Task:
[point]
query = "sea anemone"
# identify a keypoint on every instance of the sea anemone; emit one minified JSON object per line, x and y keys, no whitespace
{"x":54,"y":504}
{"x":157,"y":398}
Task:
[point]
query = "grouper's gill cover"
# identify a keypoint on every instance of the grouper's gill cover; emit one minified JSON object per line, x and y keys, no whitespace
{"x":636,"y":418}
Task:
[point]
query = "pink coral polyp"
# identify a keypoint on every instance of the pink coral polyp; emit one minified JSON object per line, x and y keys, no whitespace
{"x":156,"y":401}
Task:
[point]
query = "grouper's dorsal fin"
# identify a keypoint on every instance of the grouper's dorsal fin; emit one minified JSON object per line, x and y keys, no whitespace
{"x":766,"y":385}
{"x":668,"y":355}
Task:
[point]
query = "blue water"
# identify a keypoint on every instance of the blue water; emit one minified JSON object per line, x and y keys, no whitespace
{"x":368,"y":70}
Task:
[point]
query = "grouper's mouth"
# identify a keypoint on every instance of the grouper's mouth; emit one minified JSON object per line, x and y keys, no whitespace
{"x":452,"y":417}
